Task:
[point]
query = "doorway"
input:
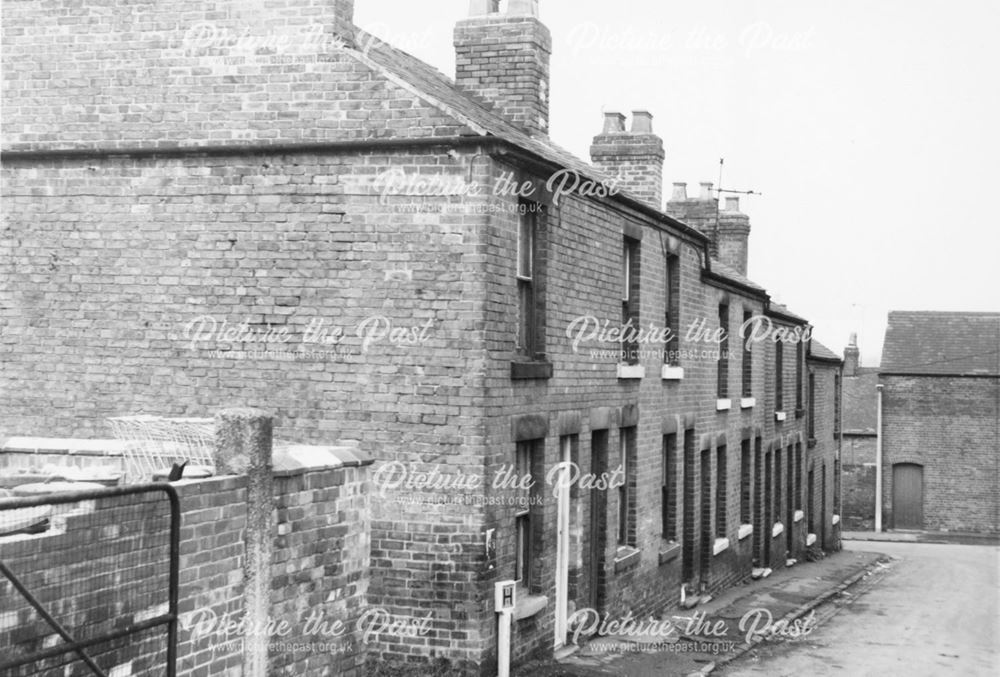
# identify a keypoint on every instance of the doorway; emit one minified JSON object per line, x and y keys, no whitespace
{"x":908,"y":496}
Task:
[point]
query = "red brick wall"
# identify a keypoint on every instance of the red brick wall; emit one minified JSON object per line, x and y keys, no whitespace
{"x":949,"y":426}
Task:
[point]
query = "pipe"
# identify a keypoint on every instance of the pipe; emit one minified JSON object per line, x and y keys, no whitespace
{"x":878,"y":459}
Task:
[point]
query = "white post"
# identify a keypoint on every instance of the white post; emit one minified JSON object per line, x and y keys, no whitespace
{"x":878,"y":460}
{"x":503,"y":645}
{"x":504,"y":600}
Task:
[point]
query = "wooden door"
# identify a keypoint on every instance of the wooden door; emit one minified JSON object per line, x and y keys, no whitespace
{"x":908,"y":496}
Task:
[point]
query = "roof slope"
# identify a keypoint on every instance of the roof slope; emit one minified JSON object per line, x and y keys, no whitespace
{"x":942,"y":343}
{"x":820,"y":351}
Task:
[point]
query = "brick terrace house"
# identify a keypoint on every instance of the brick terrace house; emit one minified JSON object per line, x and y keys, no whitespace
{"x":940,"y":379}
{"x":169,"y":167}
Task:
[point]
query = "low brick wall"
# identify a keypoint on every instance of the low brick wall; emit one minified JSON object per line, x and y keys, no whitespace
{"x":319,"y":574}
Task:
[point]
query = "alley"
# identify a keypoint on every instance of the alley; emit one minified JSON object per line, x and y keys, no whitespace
{"x":933,"y":613}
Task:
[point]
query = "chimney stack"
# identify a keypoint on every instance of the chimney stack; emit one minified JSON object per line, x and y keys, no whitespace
{"x":503,"y":59}
{"x":852,"y":357}
{"x":634,"y":157}
{"x":728,"y":229}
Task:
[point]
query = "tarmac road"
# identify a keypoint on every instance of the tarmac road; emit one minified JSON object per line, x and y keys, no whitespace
{"x":934,"y":612}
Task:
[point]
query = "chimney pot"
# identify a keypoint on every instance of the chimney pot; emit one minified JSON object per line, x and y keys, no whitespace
{"x":854,"y":338}
{"x":523,"y":8}
{"x":614,"y":122}
{"x":483,"y":7}
{"x":706,"y":190}
{"x":642,"y":122}
{"x":680,"y":192}
{"x":732,"y":203}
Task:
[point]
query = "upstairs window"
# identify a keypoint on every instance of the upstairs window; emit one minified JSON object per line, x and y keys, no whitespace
{"x":672,"y":312}
{"x":630,"y":300}
{"x":812,"y":405}
{"x":798,"y":376}
{"x":723,"y":362}
{"x":531,"y":309}
{"x":747,"y":365}
{"x":779,"y":376}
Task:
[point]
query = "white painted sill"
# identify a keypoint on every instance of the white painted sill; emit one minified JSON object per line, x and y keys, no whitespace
{"x":835,"y":519}
{"x":668,"y":373}
{"x":798,"y":516}
{"x":529,"y":605}
{"x":777,"y":529}
{"x":720,"y":545}
{"x":748,"y":402}
{"x":723,"y":404}
{"x":810,"y":539}
{"x":744,"y":531}
{"x":779,"y":416}
{"x":630,"y":371}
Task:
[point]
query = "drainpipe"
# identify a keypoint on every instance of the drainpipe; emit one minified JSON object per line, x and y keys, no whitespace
{"x":878,"y":460}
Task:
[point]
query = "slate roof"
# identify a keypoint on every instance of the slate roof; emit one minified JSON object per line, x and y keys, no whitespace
{"x":784,"y":310}
{"x":721,"y":269}
{"x":476,"y":113}
{"x":859,"y":403}
{"x":942,"y":343}
{"x":818,"y":350}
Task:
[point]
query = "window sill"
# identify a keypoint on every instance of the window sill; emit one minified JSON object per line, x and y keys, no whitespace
{"x":530,"y":370}
{"x":780,"y":416}
{"x":723,"y":404}
{"x":797,"y":517}
{"x":748,"y":402}
{"x":835,"y":519}
{"x":529,"y":605}
{"x":626,"y":557}
{"x":777,"y":529}
{"x":720,"y":545}
{"x":669,"y":373}
{"x":631,"y":371}
{"x":744,"y":531}
{"x":669,"y":551}
{"x":811,"y":443}
{"x":810,"y":539}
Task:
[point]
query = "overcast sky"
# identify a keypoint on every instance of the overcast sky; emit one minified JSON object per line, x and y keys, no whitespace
{"x":869,"y":128}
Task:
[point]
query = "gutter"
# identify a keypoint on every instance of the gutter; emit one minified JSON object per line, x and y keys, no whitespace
{"x":878,"y":459}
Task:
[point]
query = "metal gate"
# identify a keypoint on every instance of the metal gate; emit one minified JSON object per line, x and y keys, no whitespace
{"x":88,"y":582}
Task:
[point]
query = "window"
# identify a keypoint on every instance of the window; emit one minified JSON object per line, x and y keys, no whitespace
{"x":836,"y":405}
{"x":723,"y":364}
{"x":668,"y":493}
{"x":524,"y":461}
{"x":531,"y":325}
{"x":779,"y":504}
{"x":798,"y":476}
{"x":671,"y":320}
{"x":798,"y":376}
{"x":626,"y":492}
{"x":812,"y":405}
{"x":811,"y":489}
{"x":630,"y":300}
{"x":779,"y":373}
{"x":747,"y":365}
{"x":746,"y":493}
{"x":721,"y":472}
